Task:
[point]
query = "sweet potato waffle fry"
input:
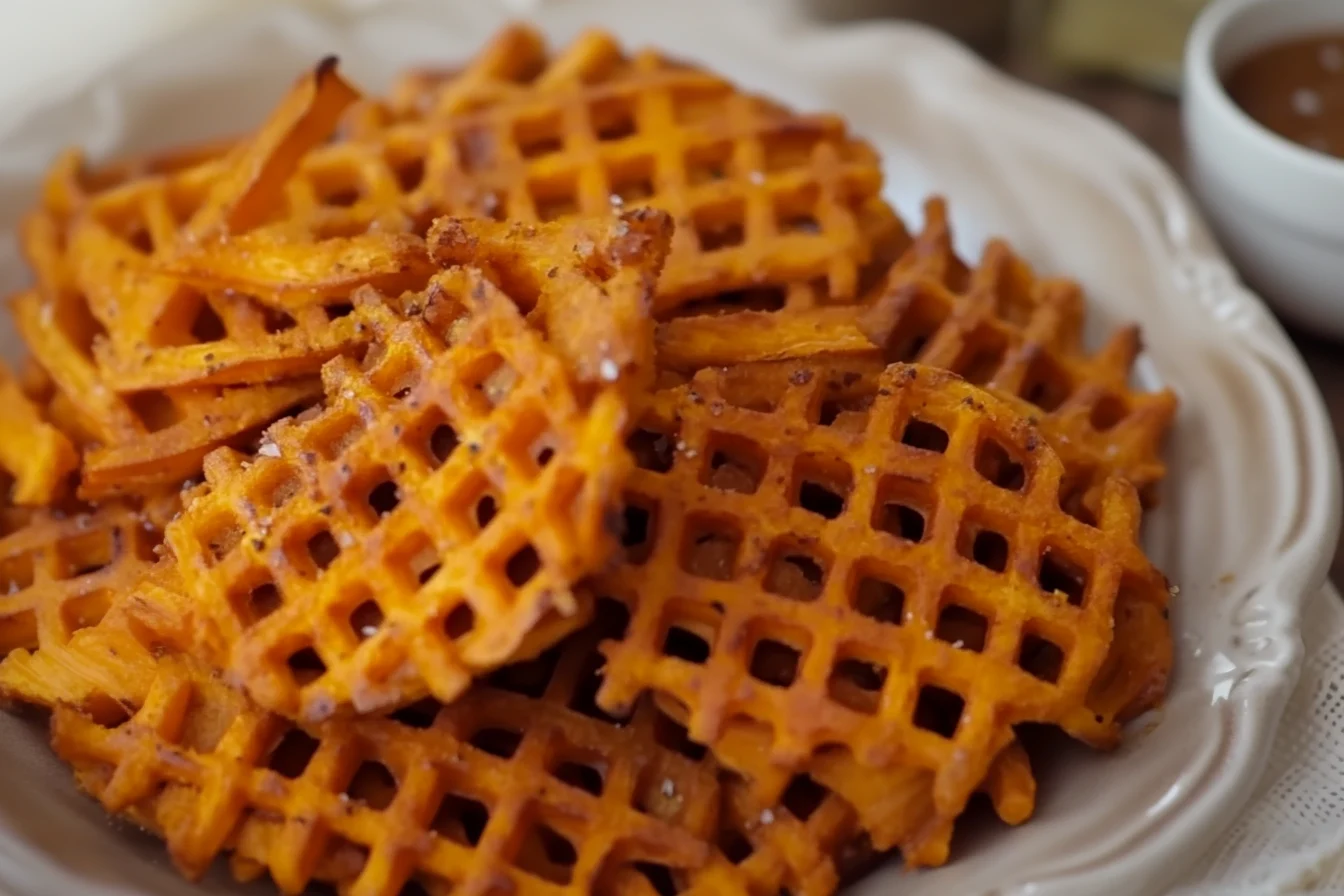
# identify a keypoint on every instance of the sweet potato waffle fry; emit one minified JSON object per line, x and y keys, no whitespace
{"x":61,"y":569}
{"x":760,"y":194}
{"x":893,"y":805}
{"x":71,"y":181}
{"x":1021,"y":338}
{"x":901,"y":580}
{"x":616,"y":804}
{"x":429,"y":520}
{"x":529,"y":744}
{"x":523,"y":780}
{"x":513,"y":63}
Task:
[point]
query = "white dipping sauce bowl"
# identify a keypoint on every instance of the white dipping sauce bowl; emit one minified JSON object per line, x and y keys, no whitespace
{"x":1277,"y":207}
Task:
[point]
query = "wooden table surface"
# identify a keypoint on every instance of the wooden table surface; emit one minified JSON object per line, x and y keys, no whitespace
{"x":1155,"y":119}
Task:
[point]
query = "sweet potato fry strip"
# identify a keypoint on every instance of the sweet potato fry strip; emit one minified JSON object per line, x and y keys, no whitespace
{"x":297,"y":275}
{"x":261,"y":166}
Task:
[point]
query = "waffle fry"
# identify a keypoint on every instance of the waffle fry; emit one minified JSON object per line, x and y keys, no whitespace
{"x":383,"y":790}
{"x":60,"y":570}
{"x":602,"y":804}
{"x":105,"y":669}
{"x":35,"y":453}
{"x":512,"y":64}
{"x":760,"y":194}
{"x":996,"y":325}
{"x":901,"y":579}
{"x":535,"y":722}
{"x":332,"y":568}
{"x":1021,"y":338}
{"x":71,"y":181}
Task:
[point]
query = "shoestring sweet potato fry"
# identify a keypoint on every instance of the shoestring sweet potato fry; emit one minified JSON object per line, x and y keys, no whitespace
{"x":195,"y":338}
{"x":163,"y":332}
{"x":258,"y":168}
{"x":295,"y":276}
{"x":141,"y":445}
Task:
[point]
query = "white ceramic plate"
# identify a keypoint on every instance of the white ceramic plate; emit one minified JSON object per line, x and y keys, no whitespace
{"x":1249,"y":516}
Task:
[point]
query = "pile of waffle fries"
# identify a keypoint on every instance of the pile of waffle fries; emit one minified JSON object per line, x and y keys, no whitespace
{"x":565,"y":474}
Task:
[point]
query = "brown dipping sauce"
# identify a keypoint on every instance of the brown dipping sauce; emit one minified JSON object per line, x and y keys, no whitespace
{"x":1296,"y":89}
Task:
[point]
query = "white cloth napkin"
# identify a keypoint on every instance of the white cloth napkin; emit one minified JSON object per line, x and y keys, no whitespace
{"x":1290,"y":838}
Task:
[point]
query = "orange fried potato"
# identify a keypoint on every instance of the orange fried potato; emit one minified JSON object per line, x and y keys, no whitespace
{"x":430,"y":519}
{"x":592,"y":299}
{"x":996,"y":324}
{"x":893,"y":804}
{"x":164,"y":335}
{"x":35,"y":453}
{"x":258,"y":168}
{"x":764,"y":198}
{"x":63,"y":567}
{"x":296,"y":275}
{"x":133,"y":443}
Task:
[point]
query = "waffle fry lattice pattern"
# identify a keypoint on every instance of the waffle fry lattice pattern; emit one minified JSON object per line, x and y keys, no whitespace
{"x":421,"y":525}
{"x":761,"y":195}
{"x":996,"y":324}
{"x":1020,"y":337}
{"x":901,"y":579}
{"x":59,"y":571}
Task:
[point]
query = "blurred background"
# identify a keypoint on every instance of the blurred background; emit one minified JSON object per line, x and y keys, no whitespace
{"x":1122,"y":57}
